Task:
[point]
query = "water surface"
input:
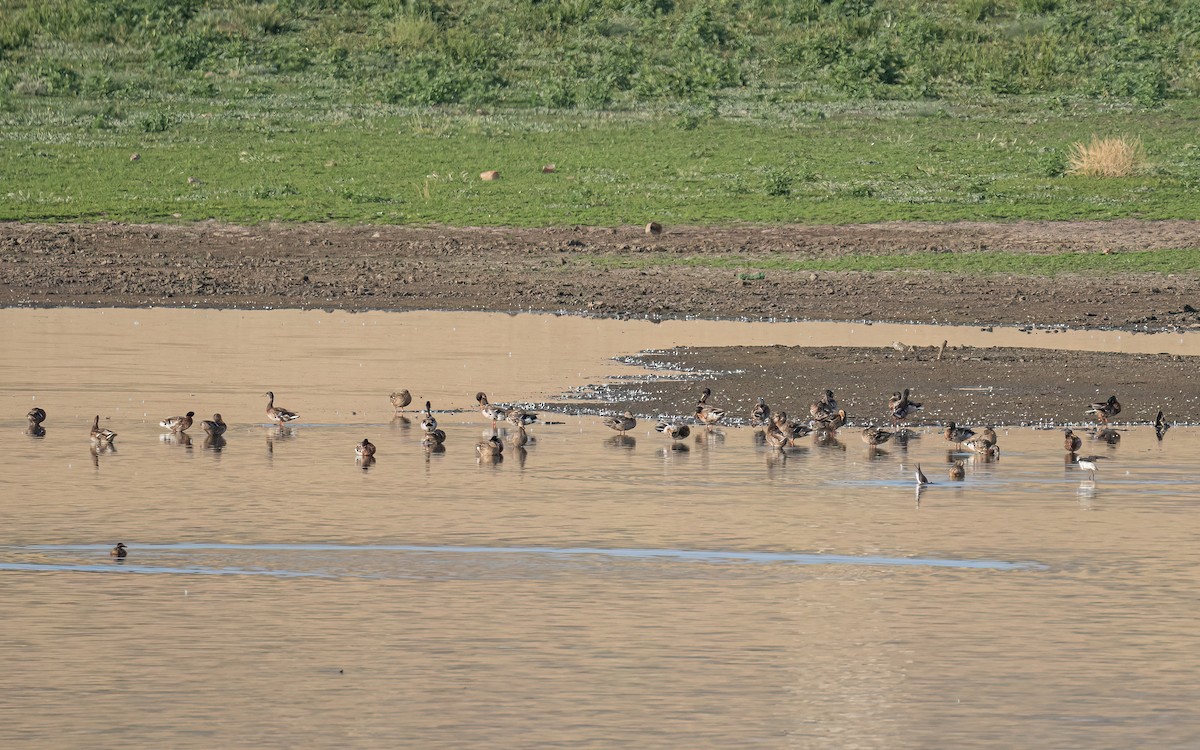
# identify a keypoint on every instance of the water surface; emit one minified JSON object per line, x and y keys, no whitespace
{"x":592,"y":591}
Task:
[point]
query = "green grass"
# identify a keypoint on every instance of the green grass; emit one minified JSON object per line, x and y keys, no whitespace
{"x":296,"y":161}
{"x":679,"y":111}
{"x":1152,"y":261}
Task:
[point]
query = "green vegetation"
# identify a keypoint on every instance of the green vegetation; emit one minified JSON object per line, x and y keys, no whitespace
{"x":682,"y":111}
{"x":1051,"y":264}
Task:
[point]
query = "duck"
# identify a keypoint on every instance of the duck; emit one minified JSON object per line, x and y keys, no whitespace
{"x":621,"y":423}
{"x":489,"y":411}
{"x":119,"y":551}
{"x":1071,"y":441}
{"x":834,"y":422}
{"x":520,"y":417}
{"x":1108,"y":435}
{"x":982,"y":446}
{"x":760,"y":413}
{"x":214,"y":427}
{"x":793,"y":428}
{"x":434,"y":437}
{"x":520,"y":438}
{"x":706,"y":413}
{"x":901,"y":407}
{"x":278,"y":413}
{"x":101,"y":434}
{"x":365,"y":449}
{"x":178,"y":424}
{"x":1103,"y":410}
{"x":775,"y":437}
{"x":1161,"y":425}
{"x":921,"y":478}
{"x":875,"y":436}
{"x":825,"y":409}
{"x":988,"y":434}
{"x":400,"y":399}
{"x":958,"y":470}
{"x":490,"y":447}
{"x":37,"y":415}
{"x":957,"y":434}
{"x":428,"y":422}
{"x":674,"y":430}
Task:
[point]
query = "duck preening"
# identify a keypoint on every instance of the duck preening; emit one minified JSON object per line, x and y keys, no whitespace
{"x":400,"y":399}
{"x":365,"y":449}
{"x":674,"y":430}
{"x":901,"y":407}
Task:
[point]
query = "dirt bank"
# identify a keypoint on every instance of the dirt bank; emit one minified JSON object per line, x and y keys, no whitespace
{"x":563,"y":269}
{"x":975,"y":386}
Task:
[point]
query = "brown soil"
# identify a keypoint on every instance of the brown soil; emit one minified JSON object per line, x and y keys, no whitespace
{"x":562,"y":270}
{"x":964,"y":384}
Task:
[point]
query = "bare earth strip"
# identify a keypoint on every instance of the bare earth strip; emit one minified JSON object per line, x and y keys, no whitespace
{"x":569,"y":269}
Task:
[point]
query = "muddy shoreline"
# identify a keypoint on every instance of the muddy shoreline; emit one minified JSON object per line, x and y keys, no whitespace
{"x":570,"y":270}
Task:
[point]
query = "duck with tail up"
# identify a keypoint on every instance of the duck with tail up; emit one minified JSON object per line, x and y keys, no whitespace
{"x":278,"y":413}
{"x":1161,"y":425}
{"x":921,"y":478}
{"x":428,"y":421}
{"x":101,"y":434}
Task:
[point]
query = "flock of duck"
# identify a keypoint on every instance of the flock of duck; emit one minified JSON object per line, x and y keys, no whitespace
{"x":778,"y":429}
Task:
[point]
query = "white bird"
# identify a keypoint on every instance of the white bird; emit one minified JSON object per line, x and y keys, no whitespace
{"x":1088,"y":464}
{"x":921,"y":478}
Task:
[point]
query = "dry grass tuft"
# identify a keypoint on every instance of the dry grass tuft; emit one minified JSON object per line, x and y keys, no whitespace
{"x":1107,"y":157}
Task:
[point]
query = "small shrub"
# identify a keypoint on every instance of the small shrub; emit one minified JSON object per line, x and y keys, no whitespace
{"x":1107,"y":157}
{"x":1051,"y":163}
{"x":156,"y":122}
{"x":778,"y":182}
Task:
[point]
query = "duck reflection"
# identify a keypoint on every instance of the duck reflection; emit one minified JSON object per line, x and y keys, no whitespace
{"x":35,"y":430}
{"x":626,"y":442}
{"x":674,"y":451}
{"x":99,"y":448}
{"x":828,"y":439}
{"x":214,"y":443}
{"x":365,"y":462}
{"x":181,"y":439}
{"x":401,"y":422}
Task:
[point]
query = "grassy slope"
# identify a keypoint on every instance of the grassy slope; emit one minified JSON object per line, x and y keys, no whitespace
{"x":683,"y":112}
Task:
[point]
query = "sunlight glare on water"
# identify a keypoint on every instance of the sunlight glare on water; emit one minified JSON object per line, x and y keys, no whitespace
{"x":592,"y":591}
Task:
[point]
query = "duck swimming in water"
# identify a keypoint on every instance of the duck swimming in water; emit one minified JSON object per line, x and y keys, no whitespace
{"x":119,"y":551}
{"x":101,"y":434}
{"x":178,"y":424}
{"x":365,"y":449}
{"x":1071,"y":441}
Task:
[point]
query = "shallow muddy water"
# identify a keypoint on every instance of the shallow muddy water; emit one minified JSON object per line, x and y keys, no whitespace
{"x":592,"y":590}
